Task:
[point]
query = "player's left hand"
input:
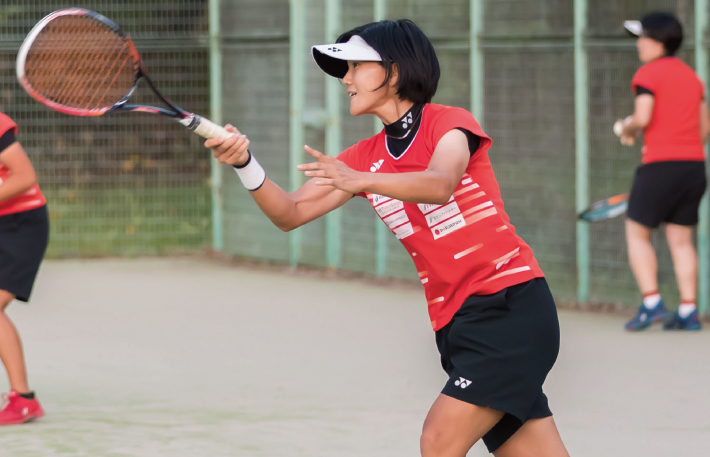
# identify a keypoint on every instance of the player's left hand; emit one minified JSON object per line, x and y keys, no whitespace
{"x":330,"y":171}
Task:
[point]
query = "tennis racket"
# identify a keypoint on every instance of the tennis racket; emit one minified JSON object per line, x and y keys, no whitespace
{"x":606,"y":209}
{"x":79,"y":62}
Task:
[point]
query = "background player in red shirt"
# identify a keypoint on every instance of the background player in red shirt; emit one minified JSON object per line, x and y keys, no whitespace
{"x":429,"y":178}
{"x":671,"y":112}
{"x":24,"y":230}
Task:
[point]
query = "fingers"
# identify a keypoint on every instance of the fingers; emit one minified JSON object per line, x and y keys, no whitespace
{"x":315,"y":154}
{"x":309,"y":166}
{"x":232,"y":129}
{"x":317,"y":173}
{"x":627,"y":140}
{"x":214,"y":142}
{"x":232,"y":150}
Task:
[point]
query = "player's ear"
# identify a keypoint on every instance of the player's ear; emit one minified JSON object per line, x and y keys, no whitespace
{"x":394,"y":77}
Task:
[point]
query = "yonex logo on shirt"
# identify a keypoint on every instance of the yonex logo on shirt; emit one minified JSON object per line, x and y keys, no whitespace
{"x":462,"y":383}
{"x":376,"y":165}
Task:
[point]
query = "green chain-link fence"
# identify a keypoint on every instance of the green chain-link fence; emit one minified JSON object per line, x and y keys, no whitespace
{"x":123,"y":184}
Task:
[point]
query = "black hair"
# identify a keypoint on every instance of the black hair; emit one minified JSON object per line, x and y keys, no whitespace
{"x":402,"y":43}
{"x":664,"y":28}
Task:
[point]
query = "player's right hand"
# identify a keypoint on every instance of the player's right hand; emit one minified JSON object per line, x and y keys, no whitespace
{"x":627,"y":140}
{"x":232,"y":150}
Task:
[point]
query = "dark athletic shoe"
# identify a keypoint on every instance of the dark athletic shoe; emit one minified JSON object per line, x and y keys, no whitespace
{"x":692,"y":322}
{"x":645,"y":317}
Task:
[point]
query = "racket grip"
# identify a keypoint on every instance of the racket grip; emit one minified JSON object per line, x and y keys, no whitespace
{"x":204,"y":127}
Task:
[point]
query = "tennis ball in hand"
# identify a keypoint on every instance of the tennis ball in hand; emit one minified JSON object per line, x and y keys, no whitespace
{"x":618,"y":128}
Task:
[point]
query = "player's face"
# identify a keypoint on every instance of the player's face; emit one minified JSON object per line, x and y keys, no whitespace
{"x":649,"y":49}
{"x":361,"y":81}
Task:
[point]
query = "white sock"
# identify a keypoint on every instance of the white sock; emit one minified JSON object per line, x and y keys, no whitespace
{"x":652,"y":301}
{"x":686,"y":309}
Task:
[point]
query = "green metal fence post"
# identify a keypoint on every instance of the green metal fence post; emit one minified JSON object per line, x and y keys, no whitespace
{"x":333,"y":133}
{"x":381,"y":231}
{"x":297,"y":86}
{"x":216,"y":116}
{"x":701,"y":65}
{"x":581,"y":111}
{"x":476,"y":60}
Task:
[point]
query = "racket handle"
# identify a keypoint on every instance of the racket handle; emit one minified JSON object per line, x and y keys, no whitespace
{"x":204,"y":127}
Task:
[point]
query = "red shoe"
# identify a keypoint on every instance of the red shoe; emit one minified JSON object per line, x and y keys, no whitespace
{"x":18,"y":410}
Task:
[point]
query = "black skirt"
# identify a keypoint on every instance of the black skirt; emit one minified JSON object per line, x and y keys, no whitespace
{"x":23,"y":242}
{"x":498,"y":350}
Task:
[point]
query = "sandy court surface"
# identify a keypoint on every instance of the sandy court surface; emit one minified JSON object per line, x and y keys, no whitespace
{"x":185,"y":357}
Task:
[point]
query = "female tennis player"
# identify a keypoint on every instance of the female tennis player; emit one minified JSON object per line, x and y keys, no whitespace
{"x":24,"y":231}
{"x":429,"y":178}
{"x":671,"y":112}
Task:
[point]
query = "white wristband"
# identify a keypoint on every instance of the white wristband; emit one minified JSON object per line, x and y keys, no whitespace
{"x":251,"y":173}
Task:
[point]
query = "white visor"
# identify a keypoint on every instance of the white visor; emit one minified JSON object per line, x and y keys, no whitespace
{"x":333,"y":58}
{"x":634,"y":27}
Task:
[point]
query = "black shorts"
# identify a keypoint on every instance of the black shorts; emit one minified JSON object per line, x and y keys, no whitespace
{"x":497,"y":351}
{"x":23,"y":241}
{"x":667,"y":192}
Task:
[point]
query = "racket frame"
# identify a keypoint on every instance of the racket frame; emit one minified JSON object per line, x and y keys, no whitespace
{"x":605,"y":209}
{"x":198,"y":124}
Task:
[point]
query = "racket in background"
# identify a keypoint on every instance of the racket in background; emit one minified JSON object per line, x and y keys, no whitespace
{"x":606,"y":209}
{"x":79,"y":62}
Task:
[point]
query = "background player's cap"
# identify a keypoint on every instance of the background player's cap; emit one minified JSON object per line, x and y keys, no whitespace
{"x":634,"y":27}
{"x":333,"y":58}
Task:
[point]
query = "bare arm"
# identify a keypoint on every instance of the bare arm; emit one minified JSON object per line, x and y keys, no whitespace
{"x":634,"y":125}
{"x":286,"y":210}
{"x":704,"y":122}
{"x":22,"y":177}
{"x":434,"y":185}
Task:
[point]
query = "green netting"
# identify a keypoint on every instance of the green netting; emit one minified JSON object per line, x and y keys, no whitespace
{"x":529,"y":113}
{"x":520,"y":18}
{"x":606,"y":18}
{"x":256,"y":100}
{"x":123,"y":184}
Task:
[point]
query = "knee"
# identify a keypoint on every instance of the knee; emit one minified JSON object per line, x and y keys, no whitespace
{"x":432,"y":442}
{"x":679,"y":237}
{"x":679,"y":242}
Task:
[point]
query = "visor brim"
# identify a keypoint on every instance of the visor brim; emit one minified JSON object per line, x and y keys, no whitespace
{"x":333,"y":58}
{"x":633,"y":28}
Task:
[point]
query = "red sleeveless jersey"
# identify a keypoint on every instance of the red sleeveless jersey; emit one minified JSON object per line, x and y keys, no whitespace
{"x":674,"y":130}
{"x":26,"y":201}
{"x":467,"y":246}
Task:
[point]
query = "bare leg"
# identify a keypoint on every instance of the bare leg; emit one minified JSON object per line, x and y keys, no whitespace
{"x":536,"y":438}
{"x":642,"y":257}
{"x":452,"y":427}
{"x":685,"y":259}
{"x":11,"y":348}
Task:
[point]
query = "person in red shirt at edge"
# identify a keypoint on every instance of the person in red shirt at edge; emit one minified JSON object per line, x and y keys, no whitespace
{"x":428,"y":176}
{"x":24,"y":231}
{"x":671,"y":111}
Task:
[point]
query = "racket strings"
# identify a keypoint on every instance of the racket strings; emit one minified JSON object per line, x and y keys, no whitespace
{"x":81,"y":63}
